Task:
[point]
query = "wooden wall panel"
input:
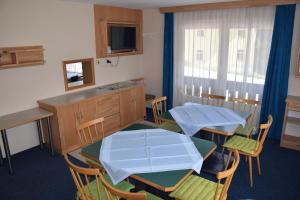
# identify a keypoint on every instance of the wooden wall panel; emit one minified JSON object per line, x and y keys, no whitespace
{"x":108,"y":14}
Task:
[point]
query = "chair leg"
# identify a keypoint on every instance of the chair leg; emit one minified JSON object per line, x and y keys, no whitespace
{"x":228,"y":160}
{"x":250,"y":170}
{"x":219,"y":139}
{"x":212,"y":137}
{"x":225,"y":139}
{"x":258,"y":165}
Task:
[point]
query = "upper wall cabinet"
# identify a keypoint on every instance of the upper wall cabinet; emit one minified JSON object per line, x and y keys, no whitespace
{"x":11,"y":57}
{"x":118,"y":31}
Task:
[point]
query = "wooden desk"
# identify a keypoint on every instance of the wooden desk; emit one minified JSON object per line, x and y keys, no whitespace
{"x":20,"y":118}
{"x":165,"y":181}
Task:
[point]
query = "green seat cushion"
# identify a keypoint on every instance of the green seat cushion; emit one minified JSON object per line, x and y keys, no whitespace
{"x":150,"y":196}
{"x":169,"y":126}
{"x":196,"y":188}
{"x":245,"y":131}
{"x":123,"y":186}
{"x":241,"y":143}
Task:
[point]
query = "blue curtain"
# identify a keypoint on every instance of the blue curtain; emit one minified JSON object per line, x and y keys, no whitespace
{"x":168,"y":65}
{"x":276,"y":83}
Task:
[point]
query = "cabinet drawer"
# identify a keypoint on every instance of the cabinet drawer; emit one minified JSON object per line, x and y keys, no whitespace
{"x":108,"y":105}
{"x":111,"y":123}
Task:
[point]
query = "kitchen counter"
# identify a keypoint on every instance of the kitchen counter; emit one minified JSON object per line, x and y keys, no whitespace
{"x":90,"y":93}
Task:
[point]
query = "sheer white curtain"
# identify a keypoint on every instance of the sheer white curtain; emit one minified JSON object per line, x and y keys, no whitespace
{"x":223,"y":52}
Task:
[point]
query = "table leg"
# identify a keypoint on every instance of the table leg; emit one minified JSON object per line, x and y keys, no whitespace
{"x":7,"y":151}
{"x":1,"y":158}
{"x":50,"y":136}
{"x":38,"y":123}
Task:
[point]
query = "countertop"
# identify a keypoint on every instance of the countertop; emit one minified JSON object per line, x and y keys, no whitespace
{"x":90,"y":93}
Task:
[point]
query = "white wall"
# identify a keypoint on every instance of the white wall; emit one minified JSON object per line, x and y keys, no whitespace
{"x":294,"y":83}
{"x":66,"y":30}
{"x":153,"y":23}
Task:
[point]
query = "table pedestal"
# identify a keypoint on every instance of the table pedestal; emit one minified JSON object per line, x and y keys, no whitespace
{"x":215,"y":163}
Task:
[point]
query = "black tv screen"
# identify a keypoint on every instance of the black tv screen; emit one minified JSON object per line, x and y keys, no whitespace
{"x":122,"y":38}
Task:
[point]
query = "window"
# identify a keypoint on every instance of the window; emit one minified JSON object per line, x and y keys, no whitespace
{"x":222,"y":51}
{"x":199,"y":55}
{"x":200,"y":33}
{"x":78,"y":73}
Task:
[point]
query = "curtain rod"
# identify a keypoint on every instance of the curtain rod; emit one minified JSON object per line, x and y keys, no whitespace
{"x":226,"y":5}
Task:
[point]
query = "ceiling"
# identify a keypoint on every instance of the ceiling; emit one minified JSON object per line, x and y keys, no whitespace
{"x":142,"y":4}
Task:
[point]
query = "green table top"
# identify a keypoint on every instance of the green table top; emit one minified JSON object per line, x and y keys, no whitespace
{"x":228,"y":129}
{"x":161,"y":180}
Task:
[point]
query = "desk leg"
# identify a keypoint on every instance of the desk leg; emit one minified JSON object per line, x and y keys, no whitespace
{"x":50,"y":136}
{"x":1,"y":158}
{"x":7,"y":151}
{"x":38,"y":123}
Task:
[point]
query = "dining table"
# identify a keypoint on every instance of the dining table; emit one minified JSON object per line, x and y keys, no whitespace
{"x":216,"y":162}
{"x":165,"y":181}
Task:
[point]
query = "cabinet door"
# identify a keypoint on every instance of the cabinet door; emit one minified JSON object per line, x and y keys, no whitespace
{"x":67,"y":127}
{"x":128,"y":106}
{"x":140,"y":103}
{"x":111,"y":123}
{"x":87,"y":110}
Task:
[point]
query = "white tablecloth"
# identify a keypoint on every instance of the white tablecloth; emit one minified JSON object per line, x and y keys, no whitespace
{"x":148,"y":150}
{"x":192,"y":117}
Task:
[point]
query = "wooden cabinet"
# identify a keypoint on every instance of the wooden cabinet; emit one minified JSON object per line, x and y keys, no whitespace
{"x":106,"y":16}
{"x":111,"y":123}
{"x":108,"y":105}
{"x":68,"y":138}
{"x":132,"y":103}
{"x":290,"y":137}
{"x":87,"y":110}
{"x":119,"y":109}
{"x":140,"y":103}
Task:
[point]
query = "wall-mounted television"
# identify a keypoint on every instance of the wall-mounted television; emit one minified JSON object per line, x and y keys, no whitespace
{"x":122,"y":38}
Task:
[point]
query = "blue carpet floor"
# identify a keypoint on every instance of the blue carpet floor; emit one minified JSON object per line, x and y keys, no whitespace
{"x":39,"y":176}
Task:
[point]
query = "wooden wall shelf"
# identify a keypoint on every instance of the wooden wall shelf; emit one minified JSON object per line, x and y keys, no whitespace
{"x":107,"y":15}
{"x":291,"y":138}
{"x":12,"y":57}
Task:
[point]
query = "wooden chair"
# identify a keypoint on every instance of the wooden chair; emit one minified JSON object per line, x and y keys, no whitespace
{"x":88,"y":182}
{"x":250,"y":106}
{"x":91,"y":131}
{"x":195,"y":186}
{"x":159,"y":107}
{"x":250,"y":147}
{"x":114,"y":193}
{"x":214,"y":100}
{"x":88,"y":133}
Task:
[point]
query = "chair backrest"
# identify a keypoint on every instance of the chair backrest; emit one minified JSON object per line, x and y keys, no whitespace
{"x":113,"y":193}
{"x":227,"y":175}
{"x":263,"y":132}
{"x":211,"y":99}
{"x":246,"y":105}
{"x":81,"y":177}
{"x":91,"y":131}
{"x":159,"y":105}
